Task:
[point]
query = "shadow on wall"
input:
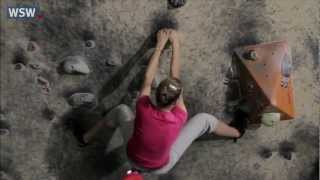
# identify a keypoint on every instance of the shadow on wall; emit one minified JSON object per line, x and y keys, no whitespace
{"x":68,"y":161}
{"x":129,"y":69}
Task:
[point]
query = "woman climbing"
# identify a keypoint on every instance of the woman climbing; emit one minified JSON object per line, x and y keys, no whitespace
{"x":161,"y":132}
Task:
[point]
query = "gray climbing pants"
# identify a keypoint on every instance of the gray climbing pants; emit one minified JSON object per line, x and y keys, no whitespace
{"x":194,"y":128}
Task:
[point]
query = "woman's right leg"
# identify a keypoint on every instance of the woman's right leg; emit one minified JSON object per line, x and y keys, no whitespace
{"x":225,"y":130}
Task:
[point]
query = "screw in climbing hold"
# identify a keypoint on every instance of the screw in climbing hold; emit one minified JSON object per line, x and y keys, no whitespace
{"x":250,"y":55}
{"x":90,"y":44}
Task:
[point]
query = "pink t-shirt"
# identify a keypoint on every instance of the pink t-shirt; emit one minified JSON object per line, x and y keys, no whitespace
{"x":154,"y":133}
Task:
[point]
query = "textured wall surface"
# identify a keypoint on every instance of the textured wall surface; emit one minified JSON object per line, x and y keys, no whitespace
{"x":41,"y":145}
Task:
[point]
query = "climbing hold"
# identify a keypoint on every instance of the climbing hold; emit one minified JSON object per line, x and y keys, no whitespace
{"x":32,"y":46}
{"x":177,"y":3}
{"x":250,"y":55}
{"x":48,"y":113}
{"x":286,"y":149}
{"x":86,"y":100}
{"x":35,"y":66}
{"x":75,"y":64}
{"x":44,"y":84}
{"x":4,"y":132}
{"x":114,"y":59}
{"x":4,"y":128}
{"x":265,"y":152}
{"x":269,"y":119}
{"x":90,"y":44}
{"x":19,"y":66}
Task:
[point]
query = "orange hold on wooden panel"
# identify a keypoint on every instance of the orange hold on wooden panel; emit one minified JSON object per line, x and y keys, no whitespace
{"x":269,"y":66}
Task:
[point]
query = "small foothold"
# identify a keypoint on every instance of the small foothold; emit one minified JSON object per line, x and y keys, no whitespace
{"x":177,"y":3}
{"x":48,"y":113}
{"x":114,"y":60}
{"x":19,"y":66}
{"x":90,"y":44}
{"x":265,"y":152}
{"x":31,"y":46}
{"x":44,"y":83}
{"x":75,"y":64}
{"x":87,"y":100}
{"x":4,"y":132}
{"x":226,"y":81}
{"x":256,"y":166}
{"x":4,"y":128}
{"x":35,"y":66}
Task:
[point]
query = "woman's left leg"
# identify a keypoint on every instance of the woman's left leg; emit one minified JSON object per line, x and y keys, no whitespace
{"x":119,"y":116}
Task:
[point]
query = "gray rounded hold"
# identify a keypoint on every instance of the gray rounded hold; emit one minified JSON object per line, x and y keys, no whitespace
{"x":32,"y":46}
{"x":85,"y":100}
{"x":75,"y":64}
{"x":19,"y":66}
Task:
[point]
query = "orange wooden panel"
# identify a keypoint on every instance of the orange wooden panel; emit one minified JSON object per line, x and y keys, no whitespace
{"x":267,"y":71}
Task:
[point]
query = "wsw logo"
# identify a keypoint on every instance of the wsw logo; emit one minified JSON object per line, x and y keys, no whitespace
{"x":23,"y":12}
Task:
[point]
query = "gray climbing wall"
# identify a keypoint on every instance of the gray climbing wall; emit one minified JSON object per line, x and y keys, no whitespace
{"x":114,"y":39}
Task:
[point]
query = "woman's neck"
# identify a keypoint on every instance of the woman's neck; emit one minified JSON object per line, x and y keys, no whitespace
{"x":166,"y":109}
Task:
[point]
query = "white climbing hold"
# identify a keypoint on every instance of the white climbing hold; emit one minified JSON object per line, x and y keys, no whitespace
{"x":87,"y":100}
{"x":75,"y":64}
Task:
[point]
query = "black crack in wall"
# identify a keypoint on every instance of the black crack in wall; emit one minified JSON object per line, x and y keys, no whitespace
{"x":286,"y":148}
{"x":306,"y":139}
{"x":312,"y":45}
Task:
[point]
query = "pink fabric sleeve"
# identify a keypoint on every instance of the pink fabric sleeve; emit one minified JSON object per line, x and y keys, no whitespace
{"x":143,"y":101}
